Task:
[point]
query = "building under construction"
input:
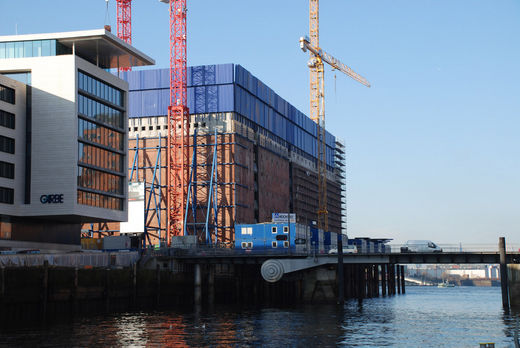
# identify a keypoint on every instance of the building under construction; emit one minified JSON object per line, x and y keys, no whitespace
{"x":252,"y":154}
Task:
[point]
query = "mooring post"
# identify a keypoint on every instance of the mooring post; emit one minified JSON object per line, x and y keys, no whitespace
{"x":383,"y":279}
{"x":198,"y":285}
{"x":503,"y":272}
{"x":398,"y":278}
{"x":45,"y":284}
{"x":402,"y":280}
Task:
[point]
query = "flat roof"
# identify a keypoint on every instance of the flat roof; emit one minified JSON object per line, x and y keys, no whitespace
{"x":98,"y":46}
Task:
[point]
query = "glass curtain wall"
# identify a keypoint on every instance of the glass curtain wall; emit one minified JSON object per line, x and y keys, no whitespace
{"x":101,"y":157}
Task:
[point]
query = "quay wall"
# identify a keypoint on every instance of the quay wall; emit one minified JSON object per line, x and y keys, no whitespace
{"x":47,"y":291}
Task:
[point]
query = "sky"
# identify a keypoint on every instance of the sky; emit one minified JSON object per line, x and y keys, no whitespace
{"x":433,"y":147}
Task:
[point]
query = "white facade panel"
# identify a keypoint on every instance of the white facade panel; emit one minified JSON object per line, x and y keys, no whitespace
{"x":54,"y":141}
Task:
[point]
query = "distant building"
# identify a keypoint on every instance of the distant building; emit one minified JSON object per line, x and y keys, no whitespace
{"x":63,"y":135}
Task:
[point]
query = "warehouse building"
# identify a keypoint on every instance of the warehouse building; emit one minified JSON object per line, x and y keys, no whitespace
{"x":264,"y":149}
{"x":63,"y":135}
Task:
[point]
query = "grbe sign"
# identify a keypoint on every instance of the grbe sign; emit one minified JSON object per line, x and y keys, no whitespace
{"x":56,"y":198}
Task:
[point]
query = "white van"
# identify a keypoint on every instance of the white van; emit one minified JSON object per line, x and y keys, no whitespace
{"x":420,"y":246}
{"x":347,"y":249}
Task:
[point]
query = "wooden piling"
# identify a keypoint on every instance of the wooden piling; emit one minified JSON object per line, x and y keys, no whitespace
{"x":376,"y":279}
{"x":368,"y":271}
{"x":198,"y":285}
{"x":403,"y":290}
{"x":362,"y":282}
{"x":348,"y":275}
{"x":45,"y":290}
{"x":383,"y":279}
{"x":391,"y":279}
{"x":503,"y":272}
{"x":398,"y":278}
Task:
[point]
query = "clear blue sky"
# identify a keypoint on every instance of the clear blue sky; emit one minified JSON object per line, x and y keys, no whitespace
{"x":433,"y":146}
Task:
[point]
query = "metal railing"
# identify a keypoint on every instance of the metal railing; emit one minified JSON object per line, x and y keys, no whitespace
{"x":464,"y":247}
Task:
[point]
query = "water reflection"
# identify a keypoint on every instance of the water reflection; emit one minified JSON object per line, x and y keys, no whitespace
{"x":511,"y":321}
{"x":424,"y":317}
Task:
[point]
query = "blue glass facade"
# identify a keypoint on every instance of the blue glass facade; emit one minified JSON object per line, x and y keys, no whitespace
{"x":229,"y":88}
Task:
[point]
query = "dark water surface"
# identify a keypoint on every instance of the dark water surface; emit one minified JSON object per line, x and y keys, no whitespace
{"x":424,"y":317}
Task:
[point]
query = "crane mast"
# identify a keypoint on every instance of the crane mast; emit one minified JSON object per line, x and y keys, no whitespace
{"x":317,"y":102}
{"x":178,"y":122}
{"x":124,"y":23}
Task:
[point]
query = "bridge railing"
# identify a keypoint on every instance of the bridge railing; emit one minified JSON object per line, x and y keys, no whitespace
{"x":464,"y":247}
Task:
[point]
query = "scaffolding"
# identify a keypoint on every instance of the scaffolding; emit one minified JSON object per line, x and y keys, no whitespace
{"x":150,"y":173}
{"x":212,"y":202}
{"x":203,"y":182}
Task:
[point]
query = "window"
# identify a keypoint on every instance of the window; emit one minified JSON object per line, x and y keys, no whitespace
{"x":94,"y":179}
{"x":6,"y":119}
{"x":247,"y":230}
{"x":99,"y":112}
{"x":6,"y":195}
{"x":23,"y":77}
{"x":6,"y":144}
{"x":286,"y":244}
{"x":6,"y":170}
{"x":7,"y":94}
{"x":286,"y":229}
{"x":100,"y":89}
{"x":5,"y":230}
{"x":274,"y":229}
{"x":274,"y":244}
{"x":99,"y":200}
{"x":244,"y":245}
{"x":99,"y":134}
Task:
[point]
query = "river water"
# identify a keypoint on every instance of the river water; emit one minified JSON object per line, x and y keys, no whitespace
{"x":424,"y":317}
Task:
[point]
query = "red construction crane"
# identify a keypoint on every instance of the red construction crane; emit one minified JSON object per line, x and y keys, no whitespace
{"x":124,"y":23}
{"x":178,"y":122}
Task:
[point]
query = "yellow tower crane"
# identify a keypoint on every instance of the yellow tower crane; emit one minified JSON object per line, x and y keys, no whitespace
{"x":317,"y":99}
